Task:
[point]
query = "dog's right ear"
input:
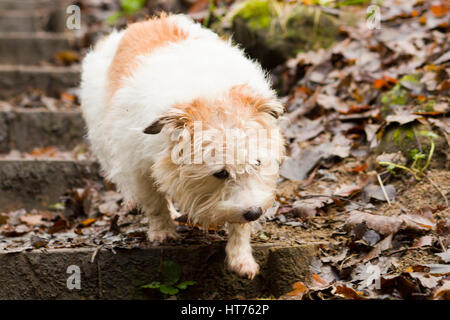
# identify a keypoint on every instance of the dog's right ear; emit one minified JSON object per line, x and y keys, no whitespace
{"x":155,"y":127}
{"x":176,"y":120}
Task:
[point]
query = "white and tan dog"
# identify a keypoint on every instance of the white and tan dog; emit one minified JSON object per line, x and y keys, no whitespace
{"x":145,"y":87}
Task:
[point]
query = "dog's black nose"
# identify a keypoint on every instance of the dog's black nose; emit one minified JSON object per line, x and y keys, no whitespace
{"x":253,"y":214}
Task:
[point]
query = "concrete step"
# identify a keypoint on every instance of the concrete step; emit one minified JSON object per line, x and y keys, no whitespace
{"x":25,"y":20}
{"x":29,"y":48}
{"x":33,"y":15}
{"x":120,"y":274}
{"x":26,"y":4}
{"x":39,"y":183}
{"x":26,"y":129}
{"x":53,"y":80}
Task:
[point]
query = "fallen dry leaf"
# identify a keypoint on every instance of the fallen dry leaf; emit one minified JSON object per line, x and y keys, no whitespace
{"x":382,"y":224}
{"x":318,"y":281}
{"x":442,"y":292}
{"x":384,"y":244}
{"x":374,"y":191}
{"x":307,"y":208}
{"x":88,"y":222}
{"x":348,"y":293}
{"x":445,"y":256}
{"x":423,"y":241}
{"x":299,"y":289}
{"x":32,"y":220}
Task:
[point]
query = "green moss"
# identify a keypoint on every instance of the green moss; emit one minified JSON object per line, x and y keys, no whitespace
{"x":427,"y":106}
{"x":273,"y":31}
{"x":397,"y":96}
{"x":412,"y":78}
{"x":310,"y":26}
{"x":403,"y":135}
{"x":258,"y":14}
{"x":407,"y":138}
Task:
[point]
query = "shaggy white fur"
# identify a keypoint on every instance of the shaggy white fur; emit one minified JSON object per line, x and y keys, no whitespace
{"x":202,"y":66}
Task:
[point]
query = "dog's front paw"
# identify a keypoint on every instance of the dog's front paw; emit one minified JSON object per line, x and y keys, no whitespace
{"x":162,"y":235}
{"x":245,"y":266}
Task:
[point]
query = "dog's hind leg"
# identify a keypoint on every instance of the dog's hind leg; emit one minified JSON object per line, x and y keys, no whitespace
{"x":239,"y":251}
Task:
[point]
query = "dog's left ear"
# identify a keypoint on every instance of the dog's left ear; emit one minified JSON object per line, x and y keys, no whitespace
{"x":272,"y":107}
{"x":175,"y":120}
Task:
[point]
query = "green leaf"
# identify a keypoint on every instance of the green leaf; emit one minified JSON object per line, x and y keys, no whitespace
{"x":132,"y":6}
{"x":418,"y":156}
{"x":153,"y":285}
{"x":171,"y":272}
{"x":183,"y":285}
{"x":391,"y":167}
{"x":114,"y":17}
{"x":429,"y":134}
{"x":57,"y":206}
{"x":168,"y":290}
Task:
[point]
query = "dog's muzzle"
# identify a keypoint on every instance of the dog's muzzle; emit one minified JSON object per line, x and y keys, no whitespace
{"x":253,"y":214}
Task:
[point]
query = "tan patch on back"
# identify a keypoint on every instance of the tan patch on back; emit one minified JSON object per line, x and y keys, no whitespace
{"x":139,"y":39}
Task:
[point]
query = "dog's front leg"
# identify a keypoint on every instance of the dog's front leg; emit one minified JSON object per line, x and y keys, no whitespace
{"x":160,"y":225}
{"x":239,"y":251}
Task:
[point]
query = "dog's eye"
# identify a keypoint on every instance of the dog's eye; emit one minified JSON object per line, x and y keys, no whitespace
{"x":222,"y":174}
{"x":258,"y":163}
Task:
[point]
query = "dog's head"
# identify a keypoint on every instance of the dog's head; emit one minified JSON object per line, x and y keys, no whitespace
{"x":222,"y":160}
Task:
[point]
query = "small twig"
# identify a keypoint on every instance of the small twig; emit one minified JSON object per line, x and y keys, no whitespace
{"x":99,"y":274}
{"x":442,"y":244}
{"x":94,"y":254}
{"x":346,"y":259}
{"x":383,"y":189}
{"x":430,"y":154}
{"x":407,"y":249}
{"x":386,"y":163}
{"x":438,"y":189}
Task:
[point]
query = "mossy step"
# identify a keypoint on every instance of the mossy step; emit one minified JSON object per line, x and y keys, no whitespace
{"x":15,"y":79}
{"x":39,"y":183}
{"x":410,"y":139}
{"x":28,"y":48}
{"x":26,"y":129}
{"x":120,"y":274}
{"x":272,"y":32}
